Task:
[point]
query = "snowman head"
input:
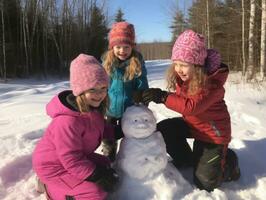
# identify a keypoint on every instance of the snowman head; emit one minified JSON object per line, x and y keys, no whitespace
{"x":138,"y":122}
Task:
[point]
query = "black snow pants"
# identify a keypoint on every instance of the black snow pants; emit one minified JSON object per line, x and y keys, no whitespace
{"x":212,"y":163}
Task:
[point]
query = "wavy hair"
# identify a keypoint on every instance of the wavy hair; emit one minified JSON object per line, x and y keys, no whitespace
{"x":196,"y":84}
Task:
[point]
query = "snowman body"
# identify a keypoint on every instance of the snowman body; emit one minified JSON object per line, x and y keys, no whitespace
{"x":142,"y":152}
{"x":142,"y":158}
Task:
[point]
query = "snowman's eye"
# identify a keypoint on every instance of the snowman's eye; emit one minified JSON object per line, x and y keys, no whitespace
{"x":135,"y":120}
{"x":146,"y":120}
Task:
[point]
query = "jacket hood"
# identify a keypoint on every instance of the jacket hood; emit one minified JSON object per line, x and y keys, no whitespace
{"x":220,"y":76}
{"x":56,"y":107}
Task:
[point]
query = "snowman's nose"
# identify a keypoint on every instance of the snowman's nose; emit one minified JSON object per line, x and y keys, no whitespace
{"x":141,"y":125}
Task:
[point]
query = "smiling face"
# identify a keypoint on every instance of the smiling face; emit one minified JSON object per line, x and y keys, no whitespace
{"x":184,"y":70}
{"x":96,"y":95}
{"x":122,"y":51}
{"x":138,"y":122}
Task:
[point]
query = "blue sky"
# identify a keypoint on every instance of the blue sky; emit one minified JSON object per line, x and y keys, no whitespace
{"x":151,"y":18}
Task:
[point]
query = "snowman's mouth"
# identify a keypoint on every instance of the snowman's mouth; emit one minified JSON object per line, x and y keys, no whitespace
{"x":142,"y":126}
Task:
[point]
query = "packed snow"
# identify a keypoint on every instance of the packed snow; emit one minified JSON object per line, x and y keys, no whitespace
{"x":23,"y":120}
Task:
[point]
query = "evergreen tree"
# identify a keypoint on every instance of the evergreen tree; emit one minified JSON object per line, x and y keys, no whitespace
{"x":98,"y":32}
{"x":179,"y":24}
{"x":119,"y":16}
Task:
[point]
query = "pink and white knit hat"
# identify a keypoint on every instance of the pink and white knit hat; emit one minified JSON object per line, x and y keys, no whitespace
{"x":121,"y":33}
{"x":86,"y":73}
{"x":190,"y":47}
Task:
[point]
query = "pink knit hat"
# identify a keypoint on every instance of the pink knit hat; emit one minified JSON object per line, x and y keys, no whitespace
{"x":190,"y":47}
{"x":86,"y":73}
{"x":121,"y":33}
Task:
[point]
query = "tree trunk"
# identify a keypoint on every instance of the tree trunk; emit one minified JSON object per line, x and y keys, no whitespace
{"x":45,"y":13}
{"x":33,"y":32}
{"x":208,"y":23}
{"x":250,"y":67}
{"x":26,"y":68}
{"x":3,"y":71}
{"x":263,"y":39}
{"x":58,"y":51}
{"x":243,"y":40}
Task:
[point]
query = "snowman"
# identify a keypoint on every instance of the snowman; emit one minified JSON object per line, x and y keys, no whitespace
{"x":142,"y":153}
{"x":142,"y":161}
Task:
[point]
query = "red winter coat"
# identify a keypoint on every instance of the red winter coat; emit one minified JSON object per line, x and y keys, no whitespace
{"x":206,"y":112}
{"x":65,"y":156}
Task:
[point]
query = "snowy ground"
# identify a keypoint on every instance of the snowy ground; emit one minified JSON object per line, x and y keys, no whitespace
{"x":23,"y":120}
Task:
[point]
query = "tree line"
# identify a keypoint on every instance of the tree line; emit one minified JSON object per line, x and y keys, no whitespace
{"x":43,"y":36}
{"x":237,"y":28}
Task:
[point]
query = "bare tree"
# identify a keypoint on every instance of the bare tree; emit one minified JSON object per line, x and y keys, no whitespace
{"x":243,"y":39}
{"x":25,"y":40}
{"x":3,"y":70}
{"x":250,"y":67}
{"x":34,"y":5}
{"x":208,"y":23}
{"x":263,"y":39}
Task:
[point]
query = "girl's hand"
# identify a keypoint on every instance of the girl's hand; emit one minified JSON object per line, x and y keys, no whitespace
{"x":109,"y":148}
{"x":137,"y":96}
{"x":154,"y":94}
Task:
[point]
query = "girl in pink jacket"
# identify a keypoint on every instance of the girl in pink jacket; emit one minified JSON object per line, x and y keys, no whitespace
{"x":64,"y":159}
{"x":197,"y":79}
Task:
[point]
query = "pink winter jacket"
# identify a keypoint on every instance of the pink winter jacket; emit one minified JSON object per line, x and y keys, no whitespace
{"x":65,"y":154}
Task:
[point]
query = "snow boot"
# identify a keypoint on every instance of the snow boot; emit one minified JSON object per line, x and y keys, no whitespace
{"x":69,"y":198}
{"x":39,"y":186}
{"x":231,"y":170}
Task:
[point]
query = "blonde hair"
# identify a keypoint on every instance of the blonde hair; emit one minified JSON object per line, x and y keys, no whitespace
{"x":133,"y":70}
{"x":196,"y":84}
{"x":83,"y":107}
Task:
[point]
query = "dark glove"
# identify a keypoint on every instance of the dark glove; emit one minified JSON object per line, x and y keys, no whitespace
{"x":154,"y":94}
{"x":137,"y":96}
{"x":105,"y":177}
{"x":109,"y":148}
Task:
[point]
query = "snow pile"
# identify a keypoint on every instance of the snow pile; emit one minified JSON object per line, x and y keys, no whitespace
{"x":23,"y":121}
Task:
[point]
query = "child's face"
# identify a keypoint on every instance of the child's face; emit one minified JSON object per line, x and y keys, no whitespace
{"x":96,"y":95}
{"x":122,"y":51}
{"x":184,"y":70}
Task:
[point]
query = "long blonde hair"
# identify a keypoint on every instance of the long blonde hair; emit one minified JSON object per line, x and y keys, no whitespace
{"x":195,"y":85}
{"x":133,"y":70}
{"x":83,"y":107}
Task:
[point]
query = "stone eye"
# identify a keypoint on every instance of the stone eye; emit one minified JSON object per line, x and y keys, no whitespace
{"x":135,"y":120}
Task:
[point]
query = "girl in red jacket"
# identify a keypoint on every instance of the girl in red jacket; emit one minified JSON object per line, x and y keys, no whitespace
{"x":197,"y":76}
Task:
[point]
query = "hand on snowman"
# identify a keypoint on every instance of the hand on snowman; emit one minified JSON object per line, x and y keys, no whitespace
{"x":109,"y":148}
{"x":154,"y":94}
